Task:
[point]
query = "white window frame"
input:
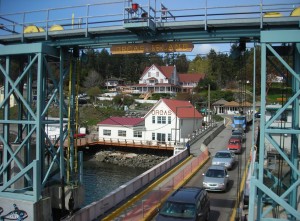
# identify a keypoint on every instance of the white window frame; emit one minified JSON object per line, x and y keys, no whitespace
{"x":106,"y":132}
{"x":122,"y":133}
{"x":137,"y":133}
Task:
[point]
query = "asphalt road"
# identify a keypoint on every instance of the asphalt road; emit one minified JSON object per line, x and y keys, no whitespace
{"x":222,"y":203}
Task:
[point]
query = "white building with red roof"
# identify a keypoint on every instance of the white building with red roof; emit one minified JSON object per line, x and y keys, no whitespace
{"x":168,"y":122}
{"x":165,"y":79}
{"x":121,"y":128}
{"x":189,"y":81}
{"x":158,"y":79}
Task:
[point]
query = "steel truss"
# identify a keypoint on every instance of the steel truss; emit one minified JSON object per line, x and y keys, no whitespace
{"x":264,"y":200}
{"x":32,"y":162}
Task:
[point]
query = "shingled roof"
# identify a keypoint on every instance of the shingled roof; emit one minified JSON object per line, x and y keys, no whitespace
{"x":190,"y":77}
{"x":122,"y":121}
{"x":184,"y":108}
{"x":165,"y":70}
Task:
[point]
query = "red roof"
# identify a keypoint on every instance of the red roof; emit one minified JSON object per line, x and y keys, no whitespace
{"x":122,"y":121}
{"x":195,"y":77}
{"x":165,"y":70}
{"x":184,"y":109}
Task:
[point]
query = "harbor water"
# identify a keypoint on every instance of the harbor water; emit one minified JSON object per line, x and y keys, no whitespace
{"x":99,"y":179}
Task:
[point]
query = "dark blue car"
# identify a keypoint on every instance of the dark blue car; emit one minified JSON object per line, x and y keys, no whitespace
{"x":186,"y":203}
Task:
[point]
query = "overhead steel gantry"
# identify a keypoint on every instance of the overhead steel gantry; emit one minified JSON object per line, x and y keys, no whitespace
{"x":27,"y":175}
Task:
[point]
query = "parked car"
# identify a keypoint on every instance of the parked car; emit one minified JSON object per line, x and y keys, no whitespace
{"x":224,"y":158}
{"x":235,"y":144}
{"x":186,"y":203}
{"x":239,"y":133}
{"x":216,"y":178}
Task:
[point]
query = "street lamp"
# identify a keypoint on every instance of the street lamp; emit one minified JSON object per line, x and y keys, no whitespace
{"x":176,"y":121}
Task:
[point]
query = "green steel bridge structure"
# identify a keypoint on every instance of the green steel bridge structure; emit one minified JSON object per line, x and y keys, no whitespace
{"x":34,"y":170}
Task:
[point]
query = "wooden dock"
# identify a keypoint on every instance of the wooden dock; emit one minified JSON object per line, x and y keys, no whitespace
{"x":91,"y":140}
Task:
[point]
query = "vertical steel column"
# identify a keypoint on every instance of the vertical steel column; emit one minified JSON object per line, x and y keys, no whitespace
{"x":295,"y":125}
{"x":6,"y":117}
{"x":253,"y":100}
{"x":72,"y":117}
{"x":29,"y":99}
{"x":39,"y":141}
{"x":262,"y":127}
{"x":61,"y":137}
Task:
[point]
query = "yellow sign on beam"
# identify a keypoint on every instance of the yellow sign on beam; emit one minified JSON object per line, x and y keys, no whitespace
{"x":152,"y":47}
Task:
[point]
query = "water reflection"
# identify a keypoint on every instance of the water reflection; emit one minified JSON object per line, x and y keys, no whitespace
{"x":99,"y":179}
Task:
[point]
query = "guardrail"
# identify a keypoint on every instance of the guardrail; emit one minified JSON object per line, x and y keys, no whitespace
{"x":89,"y":16}
{"x":90,"y":140}
{"x":98,"y":208}
{"x":147,"y":208}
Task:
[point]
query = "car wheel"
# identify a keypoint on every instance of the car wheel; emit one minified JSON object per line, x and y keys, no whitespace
{"x":226,"y":188}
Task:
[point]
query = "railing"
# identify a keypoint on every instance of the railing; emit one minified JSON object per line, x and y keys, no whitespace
{"x":89,"y":16}
{"x":94,"y":140}
{"x":100,"y":207}
{"x":146,"y":207}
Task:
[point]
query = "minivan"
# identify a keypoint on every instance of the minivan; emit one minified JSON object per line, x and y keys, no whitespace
{"x":186,"y":203}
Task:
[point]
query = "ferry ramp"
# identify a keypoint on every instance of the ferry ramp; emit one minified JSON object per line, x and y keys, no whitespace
{"x":143,"y":204}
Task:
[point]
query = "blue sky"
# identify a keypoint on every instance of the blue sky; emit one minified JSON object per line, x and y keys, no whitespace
{"x":13,"y":6}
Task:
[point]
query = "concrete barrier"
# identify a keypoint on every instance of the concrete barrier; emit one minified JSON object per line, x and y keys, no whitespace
{"x":214,"y":134}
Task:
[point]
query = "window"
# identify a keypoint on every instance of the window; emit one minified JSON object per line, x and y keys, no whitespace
{"x":161,"y":137}
{"x":153,"y":119}
{"x":169,"y":119}
{"x":153,"y":136}
{"x":122,"y":133}
{"x":137,"y":133}
{"x":169,"y":137}
{"x":106,"y":132}
{"x":157,"y":74}
{"x":149,"y":74}
{"x":161,"y":119}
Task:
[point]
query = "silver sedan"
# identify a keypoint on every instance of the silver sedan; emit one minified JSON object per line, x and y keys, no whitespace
{"x":216,"y":179}
{"x":224,"y":158}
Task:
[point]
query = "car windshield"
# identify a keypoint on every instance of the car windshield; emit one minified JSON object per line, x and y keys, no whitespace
{"x":223,"y":155}
{"x":175,"y":209}
{"x":215,"y":173}
{"x":233,"y":142}
{"x":237,"y":132}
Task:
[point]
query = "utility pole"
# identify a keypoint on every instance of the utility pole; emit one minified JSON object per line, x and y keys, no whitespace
{"x":208,"y":106}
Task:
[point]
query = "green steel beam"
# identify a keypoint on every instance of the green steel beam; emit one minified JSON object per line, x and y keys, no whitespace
{"x":32,"y":169}
{"x":261,"y":211}
{"x":295,"y":175}
{"x":277,"y":36}
{"x":28,"y":49}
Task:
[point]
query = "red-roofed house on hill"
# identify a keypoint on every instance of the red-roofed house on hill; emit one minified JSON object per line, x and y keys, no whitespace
{"x":158,"y":79}
{"x":165,"y":79}
{"x":168,"y":122}
{"x":189,"y":81}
